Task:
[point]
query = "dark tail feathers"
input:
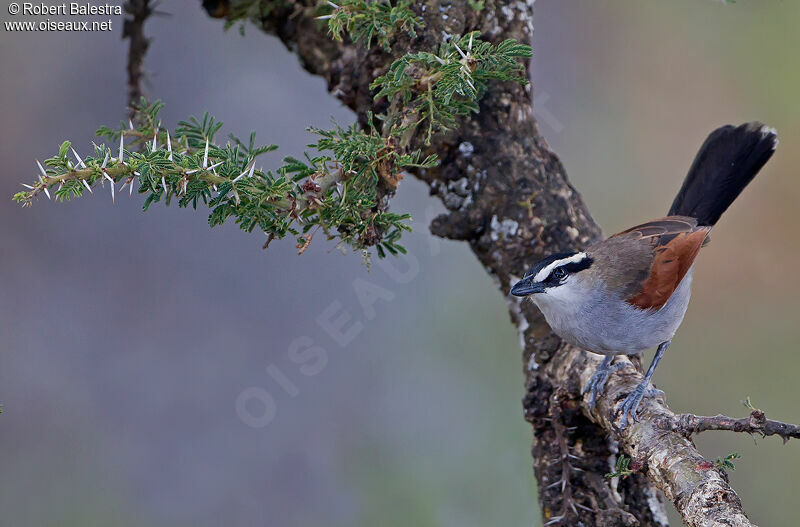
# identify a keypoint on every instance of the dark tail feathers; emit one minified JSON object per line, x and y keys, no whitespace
{"x":728,"y":160}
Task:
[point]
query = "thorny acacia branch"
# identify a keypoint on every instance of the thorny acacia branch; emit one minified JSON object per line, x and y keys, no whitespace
{"x":334,"y":194}
{"x":344,"y":192}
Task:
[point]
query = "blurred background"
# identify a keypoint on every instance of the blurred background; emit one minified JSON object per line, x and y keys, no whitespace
{"x":128,"y":338}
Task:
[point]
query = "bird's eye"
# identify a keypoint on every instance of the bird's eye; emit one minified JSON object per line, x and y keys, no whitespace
{"x":559,"y":273}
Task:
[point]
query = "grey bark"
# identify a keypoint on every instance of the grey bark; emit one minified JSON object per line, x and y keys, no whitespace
{"x":518,"y":206}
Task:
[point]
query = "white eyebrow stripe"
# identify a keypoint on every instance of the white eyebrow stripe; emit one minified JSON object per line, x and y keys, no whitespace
{"x":544,"y":273}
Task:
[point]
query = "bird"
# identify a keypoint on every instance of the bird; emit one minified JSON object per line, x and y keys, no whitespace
{"x":629,"y":293}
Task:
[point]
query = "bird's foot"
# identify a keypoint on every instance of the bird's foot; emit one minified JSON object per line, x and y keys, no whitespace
{"x":597,"y":382}
{"x":630,"y":405}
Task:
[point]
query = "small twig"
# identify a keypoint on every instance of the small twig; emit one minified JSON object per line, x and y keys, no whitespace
{"x":757,"y":423}
{"x":138,"y":11}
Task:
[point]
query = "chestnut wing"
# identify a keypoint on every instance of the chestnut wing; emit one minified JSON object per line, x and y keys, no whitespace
{"x":674,"y":242}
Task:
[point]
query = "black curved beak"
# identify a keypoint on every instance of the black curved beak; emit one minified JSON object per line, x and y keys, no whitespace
{"x":526,"y":287}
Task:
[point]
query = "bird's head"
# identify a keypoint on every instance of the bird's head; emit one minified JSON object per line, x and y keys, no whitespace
{"x":553,"y":274}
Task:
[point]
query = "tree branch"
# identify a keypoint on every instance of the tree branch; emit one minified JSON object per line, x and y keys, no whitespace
{"x":756,"y":423}
{"x":133,"y":29}
{"x":699,"y":489}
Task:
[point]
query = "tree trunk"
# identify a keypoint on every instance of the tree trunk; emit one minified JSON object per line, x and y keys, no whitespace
{"x":508,"y":196}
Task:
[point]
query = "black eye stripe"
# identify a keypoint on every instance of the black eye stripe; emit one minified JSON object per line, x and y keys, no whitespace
{"x":578,"y":266}
{"x":561,"y":271}
{"x":572,"y":267}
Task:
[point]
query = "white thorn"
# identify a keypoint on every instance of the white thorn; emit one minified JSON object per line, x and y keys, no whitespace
{"x":205,"y":156}
{"x":215,"y":165}
{"x":470,"y":43}
{"x":85,"y":184}
{"x":47,"y":192}
{"x":112,"y":184}
{"x":248,"y":173}
{"x":324,"y":17}
{"x":333,"y":5}
{"x":130,"y":189}
{"x":121,"y":137}
{"x":212,"y":186}
{"x":459,"y":50}
{"x":169,"y":146}
{"x":130,"y":124}
{"x":192,"y":171}
{"x":41,"y":168}
{"x":440,"y":60}
{"x":155,"y":140}
{"x":26,"y":186}
{"x":185,"y":182}
{"x":164,"y":184}
{"x":80,"y":161}
{"x":470,"y":83}
{"x":105,"y":161}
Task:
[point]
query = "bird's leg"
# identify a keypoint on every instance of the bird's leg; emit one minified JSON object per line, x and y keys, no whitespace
{"x":631,"y":403}
{"x":598,"y":380}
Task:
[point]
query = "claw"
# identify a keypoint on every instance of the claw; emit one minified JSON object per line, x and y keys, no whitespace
{"x":597,"y":382}
{"x":630,"y":405}
{"x":655,"y":393}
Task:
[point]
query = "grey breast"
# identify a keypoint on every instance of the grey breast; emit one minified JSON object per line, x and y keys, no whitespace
{"x":613,"y":326}
{"x":599,"y":319}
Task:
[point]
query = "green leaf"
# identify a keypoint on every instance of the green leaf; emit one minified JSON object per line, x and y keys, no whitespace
{"x":63,"y":150}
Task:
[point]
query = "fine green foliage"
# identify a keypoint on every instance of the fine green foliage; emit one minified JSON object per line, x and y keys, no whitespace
{"x":726,"y":463}
{"x":364,"y":20}
{"x":438,"y":87}
{"x":622,"y":469}
{"x":333,"y":190}
{"x":340,"y":186}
